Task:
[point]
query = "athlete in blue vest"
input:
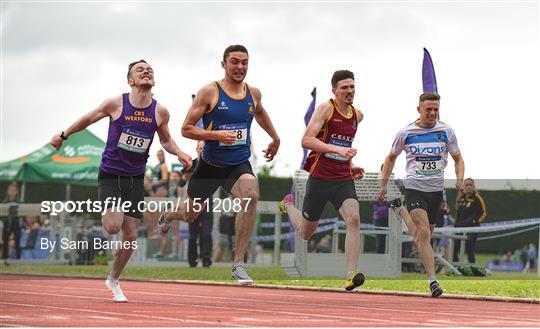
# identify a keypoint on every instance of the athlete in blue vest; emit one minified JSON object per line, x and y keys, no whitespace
{"x":227,"y":108}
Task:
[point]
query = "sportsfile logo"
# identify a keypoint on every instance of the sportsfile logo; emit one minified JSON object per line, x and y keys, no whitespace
{"x":417,"y":149}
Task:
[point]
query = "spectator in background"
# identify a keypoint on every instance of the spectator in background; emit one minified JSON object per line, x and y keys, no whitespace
{"x":444,"y":220}
{"x":507,"y":257}
{"x":523,"y":255}
{"x":176,"y":184}
{"x":200,"y":230}
{"x":160,"y":184}
{"x":515,"y":256}
{"x":12,"y":224}
{"x":471,"y":211}
{"x":380,"y":218}
{"x":532,"y":256}
{"x":33,"y":223}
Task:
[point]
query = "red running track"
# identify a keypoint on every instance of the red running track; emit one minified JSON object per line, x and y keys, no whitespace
{"x":59,"y":302}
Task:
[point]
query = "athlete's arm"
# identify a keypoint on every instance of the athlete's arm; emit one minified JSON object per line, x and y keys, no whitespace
{"x":263,"y":119}
{"x":201,"y":104}
{"x":360,"y":115}
{"x":166,"y":140}
{"x":459,"y":165}
{"x":358,"y":172}
{"x":107,"y":108}
{"x":310,"y":141}
{"x":388,"y":166}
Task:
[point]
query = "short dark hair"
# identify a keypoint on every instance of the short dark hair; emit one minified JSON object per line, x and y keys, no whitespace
{"x":429,"y":96}
{"x":341,"y":75}
{"x":131,"y":65}
{"x":233,"y":48}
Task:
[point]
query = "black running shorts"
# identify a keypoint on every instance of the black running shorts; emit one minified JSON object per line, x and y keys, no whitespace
{"x":128,"y":188}
{"x":429,"y":201}
{"x":207,"y":178}
{"x":320,"y":191}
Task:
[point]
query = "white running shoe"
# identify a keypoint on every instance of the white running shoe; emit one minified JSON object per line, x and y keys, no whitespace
{"x":163,"y":225}
{"x":114,"y":287}
{"x":240,"y":274}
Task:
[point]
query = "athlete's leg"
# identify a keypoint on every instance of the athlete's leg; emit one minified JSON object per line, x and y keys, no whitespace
{"x":409,"y":223}
{"x":304,"y":227}
{"x":404,"y":214}
{"x":187,"y":211}
{"x":305,"y":222}
{"x":246,"y":190}
{"x":350,"y":211}
{"x":129,"y":233}
{"x":112,"y":221}
{"x":423,"y":240}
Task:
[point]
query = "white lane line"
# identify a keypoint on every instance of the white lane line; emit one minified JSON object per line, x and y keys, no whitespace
{"x":224,"y":308}
{"x":446,"y":313}
{"x":55,"y":317}
{"x":9,"y":324}
{"x":101,"y":317}
{"x":110,"y":313}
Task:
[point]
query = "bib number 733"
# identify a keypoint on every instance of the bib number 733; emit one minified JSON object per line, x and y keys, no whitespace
{"x":428,"y":166}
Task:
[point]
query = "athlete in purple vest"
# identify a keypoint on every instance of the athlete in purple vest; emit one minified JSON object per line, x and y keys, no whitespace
{"x":133,"y":120}
{"x":227,"y":108}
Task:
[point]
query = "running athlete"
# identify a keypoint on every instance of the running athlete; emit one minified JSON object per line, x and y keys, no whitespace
{"x":329,"y":136}
{"x":426,"y":143}
{"x":134,"y":118}
{"x":227,"y":108}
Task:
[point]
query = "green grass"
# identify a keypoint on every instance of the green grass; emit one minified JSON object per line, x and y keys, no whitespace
{"x":523,"y":285}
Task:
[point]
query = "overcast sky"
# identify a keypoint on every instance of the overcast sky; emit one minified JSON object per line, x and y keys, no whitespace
{"x":60,"y":60}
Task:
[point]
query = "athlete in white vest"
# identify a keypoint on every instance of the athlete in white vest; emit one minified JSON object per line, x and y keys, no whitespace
{"x":427,"y":143}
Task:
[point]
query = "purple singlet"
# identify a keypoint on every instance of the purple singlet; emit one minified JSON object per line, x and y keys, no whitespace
{"x":129,"y":140}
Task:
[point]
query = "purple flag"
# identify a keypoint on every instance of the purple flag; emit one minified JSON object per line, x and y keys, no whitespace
{"x":428,"y":74}
{"x":307,"y":117}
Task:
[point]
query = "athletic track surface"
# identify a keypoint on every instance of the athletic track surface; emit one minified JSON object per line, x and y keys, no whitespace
{"x":61,"y":302}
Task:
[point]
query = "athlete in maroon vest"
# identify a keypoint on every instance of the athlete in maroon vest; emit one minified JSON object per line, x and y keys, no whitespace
{"x":329,"y":136}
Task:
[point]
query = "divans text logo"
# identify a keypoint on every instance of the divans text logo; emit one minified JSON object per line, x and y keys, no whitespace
{"x":414,"y":149}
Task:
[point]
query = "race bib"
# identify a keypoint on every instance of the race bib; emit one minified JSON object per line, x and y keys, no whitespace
{"x":429,"y":165}
{"x":134,"y":141}
{"x":335,"y":156}
{"x":241,"y":131}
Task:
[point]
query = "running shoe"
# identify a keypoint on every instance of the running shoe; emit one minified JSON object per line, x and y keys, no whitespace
{"x":240,"y":274}
{"x":355,"y":280}
{"x":395,"y":205}
{"x":163,"y":225}
{"x":436,"y":289}
{"x":288,"y":199}
{"x":114,"y":287}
